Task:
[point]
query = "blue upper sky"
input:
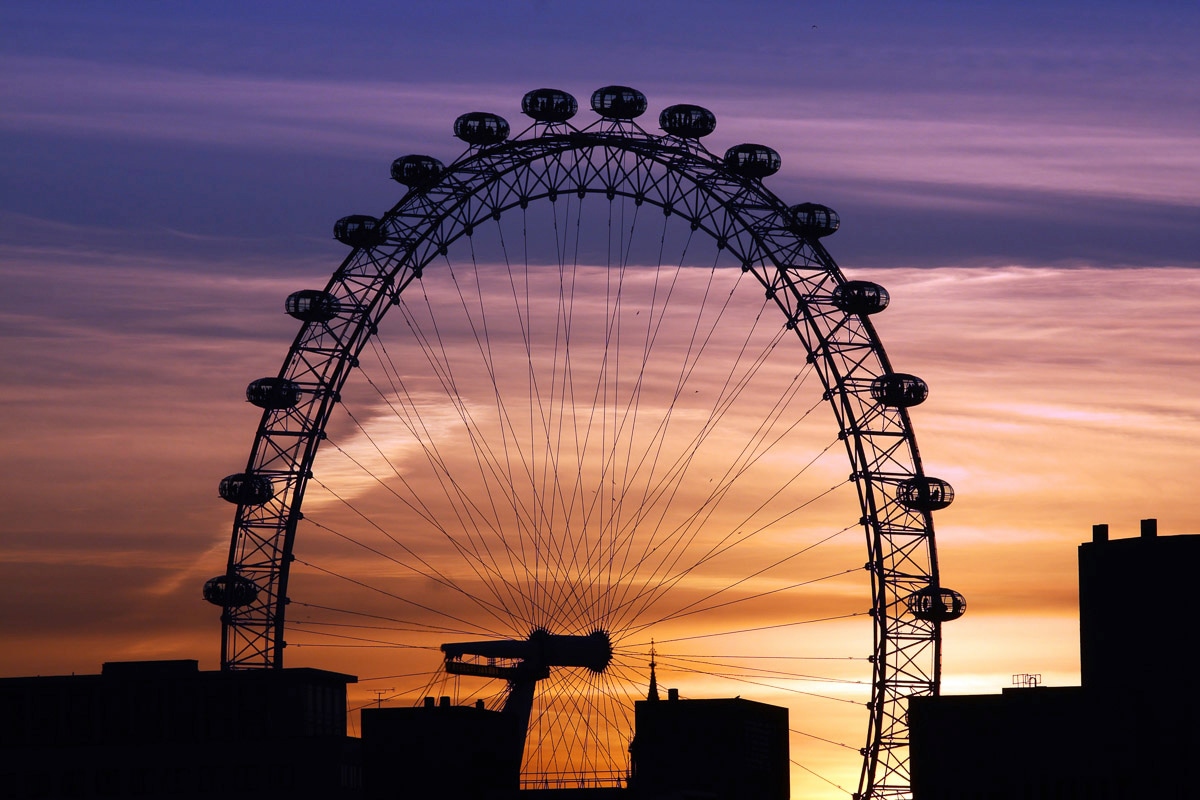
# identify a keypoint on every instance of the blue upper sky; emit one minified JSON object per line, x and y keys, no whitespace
{"x":945,"y":133}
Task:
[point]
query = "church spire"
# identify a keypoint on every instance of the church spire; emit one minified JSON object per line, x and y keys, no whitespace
{"x":653,"y":693}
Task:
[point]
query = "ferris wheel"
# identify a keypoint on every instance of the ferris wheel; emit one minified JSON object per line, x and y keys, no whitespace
{"x":571,"y":396}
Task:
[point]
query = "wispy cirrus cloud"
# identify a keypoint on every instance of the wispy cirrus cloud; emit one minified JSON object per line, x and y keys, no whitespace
{"x":913,"y":138}
{"x":959,"y":176}
{"x":82,"y":98}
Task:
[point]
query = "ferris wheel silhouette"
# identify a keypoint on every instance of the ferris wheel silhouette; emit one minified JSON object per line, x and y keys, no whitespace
{"x":570,"y":395}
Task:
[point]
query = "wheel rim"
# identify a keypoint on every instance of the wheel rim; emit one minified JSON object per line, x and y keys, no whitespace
{"x":690,"y":194}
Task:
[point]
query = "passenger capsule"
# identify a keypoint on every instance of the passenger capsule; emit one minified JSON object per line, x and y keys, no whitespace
{"x":246,"y":489}
{"x":415,"y":170}
{"x":240,"y":592}
{"x":358,"y":230}
{"x":312,"y":305}
{"x":936,"y":604}
{"x":924,"y":493}
{"x":273,"y":393}
{"x":899,"y":390}
{"x":861,"y":297}
{"x":481,"y":128}
{"x":618,"y":102}
{"x":687,"y":121}
{"x":752,"y":160}
{"x":814,"y":219}
{"x":549,"y":105}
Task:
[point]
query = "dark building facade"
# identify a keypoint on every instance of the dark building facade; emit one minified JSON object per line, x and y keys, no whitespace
{"x":1135,"y":599}
{"x":165,"y":729}
{"x":437,"y":750}
{"x":1128,"y":732}
{"x":722,"y":749}
{"x":719,"y":749}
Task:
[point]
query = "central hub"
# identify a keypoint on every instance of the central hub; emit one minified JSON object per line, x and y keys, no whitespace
{"x":529,"y":658}
{"x":524,"y":662}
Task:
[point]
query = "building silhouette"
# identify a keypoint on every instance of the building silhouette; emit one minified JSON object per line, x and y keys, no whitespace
{"x":165,"y":729}
{"x":1128,"y":732}
{"x":437,"y":750}
{"x":715,"y":749}
{"x":705,"y":749}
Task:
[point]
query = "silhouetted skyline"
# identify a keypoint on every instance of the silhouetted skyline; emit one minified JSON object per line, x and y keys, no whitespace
{"x":1024,"y":182}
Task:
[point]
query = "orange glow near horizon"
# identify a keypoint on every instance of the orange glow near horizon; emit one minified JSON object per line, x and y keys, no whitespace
{"x":637,"y":449}
{"x":1023,"y":180}
{"x":1047,"y":413}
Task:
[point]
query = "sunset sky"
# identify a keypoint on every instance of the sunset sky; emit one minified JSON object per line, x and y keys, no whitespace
{"x":1024,"y":179}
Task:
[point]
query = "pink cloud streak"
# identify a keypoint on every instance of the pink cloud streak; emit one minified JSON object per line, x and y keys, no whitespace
{"x":911,"y":139}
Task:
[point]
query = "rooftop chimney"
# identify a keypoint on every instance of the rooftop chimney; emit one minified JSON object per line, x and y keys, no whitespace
{"x":1149,"y":528}
{"x":1099,"y":533}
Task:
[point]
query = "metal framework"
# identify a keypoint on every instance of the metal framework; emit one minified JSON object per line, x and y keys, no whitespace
{"x":615,"y":158}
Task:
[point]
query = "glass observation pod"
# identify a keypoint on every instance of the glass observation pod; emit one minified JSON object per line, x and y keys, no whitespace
{"x":549,"y":105}
{"x":899,"y":390}
{"x":312,"y":305}
{"x":618,"y":102}
{"x":924,"y":493}
{"x":245,"y":489}
{"x":814,"y":219}
{"x":936,"y":604}
{"x":416,"y":170}
{"x":687,"y":121}
{"x":752,"y":160}
{"x":274,"y":394}
{"x":236,"y":593}
{"x":861,"y":297}
{"x":481,"y":128}
{"x":358,"y":230}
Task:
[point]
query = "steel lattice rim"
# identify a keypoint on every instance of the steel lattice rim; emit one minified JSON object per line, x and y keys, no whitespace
{"x":614,"y":157}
